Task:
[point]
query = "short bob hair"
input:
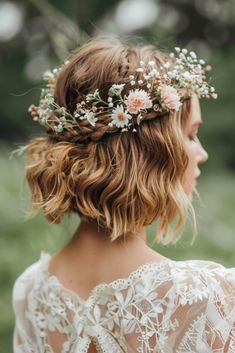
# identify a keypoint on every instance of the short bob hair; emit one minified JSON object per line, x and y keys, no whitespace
{"x":123,"y":181}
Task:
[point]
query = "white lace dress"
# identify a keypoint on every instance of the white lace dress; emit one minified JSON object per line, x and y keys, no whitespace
{"x":168,"y":307}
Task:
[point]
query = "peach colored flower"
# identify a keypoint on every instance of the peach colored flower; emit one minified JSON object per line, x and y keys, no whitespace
{"x":136,"y":100}
{"x":170,"y":97}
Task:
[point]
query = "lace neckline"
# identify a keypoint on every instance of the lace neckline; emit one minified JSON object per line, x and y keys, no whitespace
{"x":119,"y":283}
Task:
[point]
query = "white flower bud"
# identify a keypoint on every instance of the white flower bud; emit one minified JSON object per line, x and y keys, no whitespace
{"x":151,"y":63}
{"x":132,"y":83}
{"x":193,"y":55}
{"x":187,"y":75}
{"x":154,"y":73}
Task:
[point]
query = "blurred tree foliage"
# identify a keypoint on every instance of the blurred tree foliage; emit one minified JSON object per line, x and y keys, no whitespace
{"x":49,"y":30}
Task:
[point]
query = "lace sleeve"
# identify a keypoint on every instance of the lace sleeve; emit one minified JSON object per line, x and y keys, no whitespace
{"x":24,"y":340}
{"x":220,"y":311}
{"x":206,"y":309}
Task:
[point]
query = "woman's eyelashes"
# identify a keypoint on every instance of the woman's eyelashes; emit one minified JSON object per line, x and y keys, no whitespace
{"x":193,"y":138}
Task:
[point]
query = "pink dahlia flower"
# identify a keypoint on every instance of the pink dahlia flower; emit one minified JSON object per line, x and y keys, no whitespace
{"x":136,"y":100}
{"x":170,"y":97}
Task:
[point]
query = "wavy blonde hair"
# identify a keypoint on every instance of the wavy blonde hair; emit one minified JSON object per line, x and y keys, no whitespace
{"x":124,"y":181}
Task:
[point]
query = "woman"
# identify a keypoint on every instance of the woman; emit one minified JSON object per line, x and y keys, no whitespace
{"x":122,"y":152}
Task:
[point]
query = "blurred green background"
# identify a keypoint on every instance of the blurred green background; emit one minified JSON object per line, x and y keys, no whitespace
{"x":36,"y":35}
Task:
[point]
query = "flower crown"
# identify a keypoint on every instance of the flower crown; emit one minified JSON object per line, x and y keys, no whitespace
{"x":157,"y":90}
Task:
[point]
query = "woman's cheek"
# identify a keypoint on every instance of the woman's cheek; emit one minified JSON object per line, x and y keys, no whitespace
{"x":189,"y":180}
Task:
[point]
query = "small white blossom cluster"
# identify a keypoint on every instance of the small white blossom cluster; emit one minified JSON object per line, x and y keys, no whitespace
{"x":189,"y":73}
{"x":160,"y":89}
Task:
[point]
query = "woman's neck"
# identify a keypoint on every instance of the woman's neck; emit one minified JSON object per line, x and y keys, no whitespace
{"x":92,"y":246}
{"x":90,"y":258}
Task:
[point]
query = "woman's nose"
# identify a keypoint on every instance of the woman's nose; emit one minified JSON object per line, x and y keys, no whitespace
{"x":203,"y":155}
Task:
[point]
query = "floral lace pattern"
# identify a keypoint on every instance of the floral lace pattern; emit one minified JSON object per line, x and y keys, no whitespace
{"x":166,"y":307}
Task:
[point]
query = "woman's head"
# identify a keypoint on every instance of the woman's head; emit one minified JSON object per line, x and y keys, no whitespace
{"x":125,"y":181}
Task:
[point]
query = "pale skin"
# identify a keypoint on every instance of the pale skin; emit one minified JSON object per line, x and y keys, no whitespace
{"x":196,"y":153}
{"x":89,"y":259}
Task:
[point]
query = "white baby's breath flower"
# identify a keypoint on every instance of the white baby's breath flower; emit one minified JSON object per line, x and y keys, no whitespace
{"x":184,"y":51}
{"x":167,"y":65}
{"x":139,"y":69}
{"x":193,"y":55}
{"x":132,"y":83}
{"x":171,"y":74}
{"x":140,"y":82}
{"x":177,"y":49}
{"x":48,"y":74}
{"x":154,"y":73}
{"x":151,"y":63}
{"x":214,"y":95}
{"x":146,"y":77}
{"x":120,"y":118}
{"x":131,"y":77}
{"x":187,"y":76}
